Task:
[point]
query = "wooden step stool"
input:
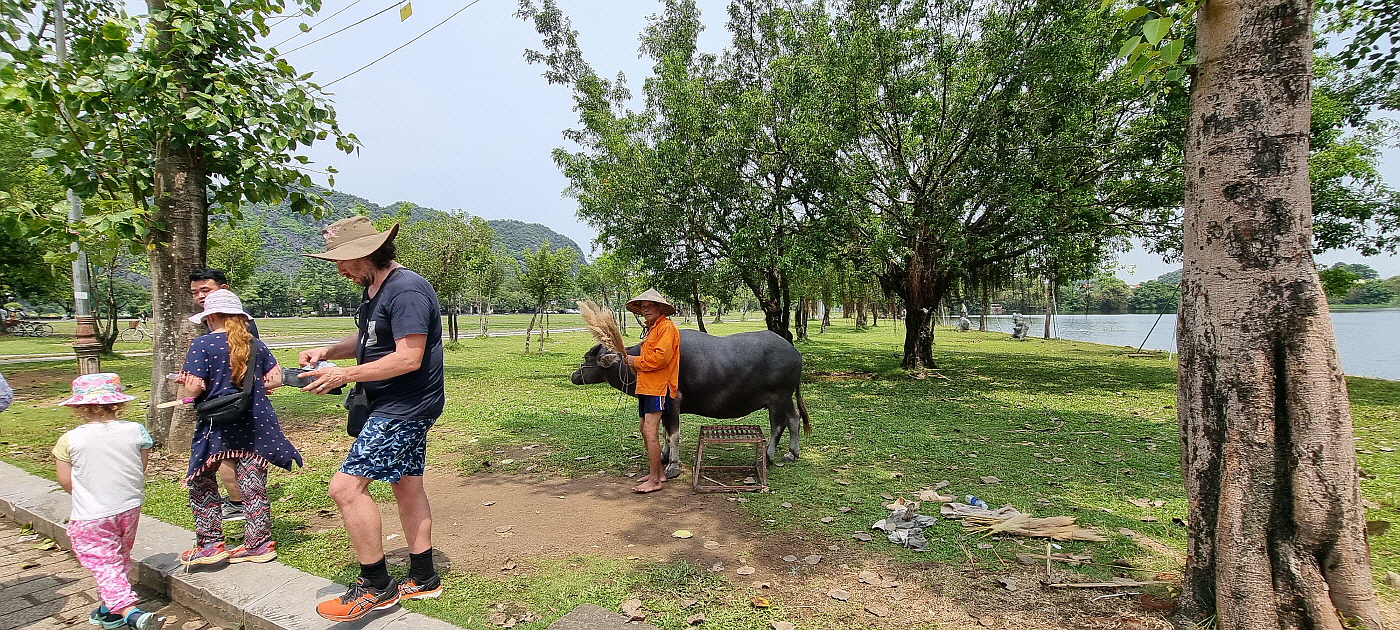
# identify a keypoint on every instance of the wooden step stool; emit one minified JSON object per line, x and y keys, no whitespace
{"x":731,"y":434}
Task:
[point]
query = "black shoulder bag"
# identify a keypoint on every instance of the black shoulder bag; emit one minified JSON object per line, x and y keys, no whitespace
{"x":230,"y":408}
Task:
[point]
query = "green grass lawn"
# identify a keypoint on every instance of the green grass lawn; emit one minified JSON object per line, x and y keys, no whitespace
{"x":272,"y":329}
{"x":1068,"y":427}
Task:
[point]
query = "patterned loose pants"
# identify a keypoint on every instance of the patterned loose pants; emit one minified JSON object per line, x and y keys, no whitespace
{"x":103,"y":546}
{"x":207,"y":505}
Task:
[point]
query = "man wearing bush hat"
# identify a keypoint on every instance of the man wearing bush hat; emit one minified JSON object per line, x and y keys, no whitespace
{"x":658,"y":367}
{"x":398,"y":353}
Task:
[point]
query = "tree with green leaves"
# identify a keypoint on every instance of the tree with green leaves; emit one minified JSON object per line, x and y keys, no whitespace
{"x":986,"y":130}
{"x":1155,"y":297}
{"x":1277,"y":535}
{"x":488,"y":276}
{"x":171,"y":111}
{"x":729,"y":160}
{"x":238,"y":250}
{"x":441,"y":249}
{"x":547,"y":276}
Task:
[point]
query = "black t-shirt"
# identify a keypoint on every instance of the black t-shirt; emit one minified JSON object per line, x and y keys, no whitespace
{"x":405,"y":305}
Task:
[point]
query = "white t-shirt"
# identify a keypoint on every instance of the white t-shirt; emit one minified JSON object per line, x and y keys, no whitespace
{"x":107,"y":474}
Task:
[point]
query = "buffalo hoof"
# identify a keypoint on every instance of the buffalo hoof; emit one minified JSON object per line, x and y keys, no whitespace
{"x":673,"y":471}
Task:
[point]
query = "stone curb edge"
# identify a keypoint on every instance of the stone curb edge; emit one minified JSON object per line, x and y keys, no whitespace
{"x":269,"y":596}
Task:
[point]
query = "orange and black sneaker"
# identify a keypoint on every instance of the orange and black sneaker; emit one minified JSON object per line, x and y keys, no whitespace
{"x":358,"y":601}
{"x":411,"y":588}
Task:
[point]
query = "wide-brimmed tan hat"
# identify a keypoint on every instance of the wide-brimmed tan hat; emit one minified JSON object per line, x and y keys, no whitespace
{"x":355,"y":237}
{"x":651,"y":295}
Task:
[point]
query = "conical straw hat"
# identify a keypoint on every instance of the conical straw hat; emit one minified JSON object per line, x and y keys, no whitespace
{"x":651,"y":295}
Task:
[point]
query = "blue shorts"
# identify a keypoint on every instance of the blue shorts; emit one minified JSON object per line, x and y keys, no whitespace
{"x":648,"y":404}
{"x":389,"y":448}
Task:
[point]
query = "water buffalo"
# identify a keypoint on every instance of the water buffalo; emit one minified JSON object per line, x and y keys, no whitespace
{"x":721,"y":377}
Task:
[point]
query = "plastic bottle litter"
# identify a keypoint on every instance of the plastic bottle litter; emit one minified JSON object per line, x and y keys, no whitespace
{"x":976,"y":502}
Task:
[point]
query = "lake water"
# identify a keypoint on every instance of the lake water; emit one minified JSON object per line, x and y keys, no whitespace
{"x":1368,"y":341}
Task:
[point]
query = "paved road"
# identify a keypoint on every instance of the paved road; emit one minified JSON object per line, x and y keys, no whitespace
{"x":49,"y":590}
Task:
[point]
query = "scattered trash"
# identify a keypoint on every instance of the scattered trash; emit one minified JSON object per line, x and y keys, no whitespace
{"x":986,"y":546}
{"x":978,"y":503}
{"x":503,"y":529}
{"x":990,"y":480}
{"x":488,"y":503}
{"x":789,"y":558}
{"x":862,"y":536}
{"x":1113,"y":595}
{"x":681,"y":533}
{"x":904,"y":527}
{"x":745,"y":570}
{"x":1008,"y":583}
{"x":717,"y":567}
{"x":838,"y":594}
{"x":759,"y":602}
{"x":843,"y":509}
{"x":828,"y":519}
{"x":786,"y":505}
{"x":762,"y":585}
{"x":813,"y":559}
{"x":1026,"y":559}
{"x":711,"y":544}
{"x":783,"y":625}
{"x":1148,"y":519}
{"x":687,"y":602}
{"x":695,"y":619}
{"x":509,"y":565}
{"x":1392,"y":579}
{"x":506,"y":462}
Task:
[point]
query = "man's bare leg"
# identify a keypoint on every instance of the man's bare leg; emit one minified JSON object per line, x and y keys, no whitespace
{"x":415,"y":514}
{"x":361,"y":515}
{"x":656,"y":477}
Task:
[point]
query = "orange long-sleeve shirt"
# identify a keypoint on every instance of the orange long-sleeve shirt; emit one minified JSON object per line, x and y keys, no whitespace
{"x":658,"y":364}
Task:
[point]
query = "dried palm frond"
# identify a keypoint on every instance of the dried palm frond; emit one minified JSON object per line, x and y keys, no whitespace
{"x":1053,"y":527}
{"x":600,"y":323}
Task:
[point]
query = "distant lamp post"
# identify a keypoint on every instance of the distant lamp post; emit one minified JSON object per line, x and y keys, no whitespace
{"x":85,"y":343}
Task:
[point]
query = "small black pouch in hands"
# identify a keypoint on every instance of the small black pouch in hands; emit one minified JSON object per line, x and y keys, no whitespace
{"x":357,"y":408}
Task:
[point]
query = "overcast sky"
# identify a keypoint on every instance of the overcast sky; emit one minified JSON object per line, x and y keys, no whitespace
{"x":458,"y":120}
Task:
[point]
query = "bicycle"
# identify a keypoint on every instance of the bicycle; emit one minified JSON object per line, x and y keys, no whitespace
{"x":135,"y":331}
{"x":27,"y":329}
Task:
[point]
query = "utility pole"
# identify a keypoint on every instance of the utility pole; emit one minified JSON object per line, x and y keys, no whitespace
{"x":85,"y":343}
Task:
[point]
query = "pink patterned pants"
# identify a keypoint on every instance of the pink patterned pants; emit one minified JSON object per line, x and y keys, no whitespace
{"x":103,"y":546}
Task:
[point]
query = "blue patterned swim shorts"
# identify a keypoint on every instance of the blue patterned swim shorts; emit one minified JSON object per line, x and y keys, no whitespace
{"x":389,"y":448}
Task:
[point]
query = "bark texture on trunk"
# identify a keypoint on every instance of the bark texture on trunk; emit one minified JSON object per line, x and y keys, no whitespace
{"x":178,"y":246}
{"x":1277,"y":534}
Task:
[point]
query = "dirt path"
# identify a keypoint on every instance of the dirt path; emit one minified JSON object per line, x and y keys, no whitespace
{"x":485,"y":520}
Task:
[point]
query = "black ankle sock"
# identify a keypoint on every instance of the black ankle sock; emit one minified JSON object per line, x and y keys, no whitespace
{"x":376,"y":576}
{"x":420,"y":565}
{"x":237,"y":503}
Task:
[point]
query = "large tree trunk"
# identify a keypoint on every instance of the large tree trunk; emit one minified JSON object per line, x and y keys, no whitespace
{"x":178,"y":248}
{"x":1277,"y":536}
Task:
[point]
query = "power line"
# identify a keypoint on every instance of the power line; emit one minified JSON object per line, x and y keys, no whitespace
{"x":313,"y":26}
{"x":386,"y":9}
{"x":469,"y":4}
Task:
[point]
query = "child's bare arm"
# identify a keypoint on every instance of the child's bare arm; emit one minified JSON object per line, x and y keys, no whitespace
{"x":65,"y":475}
{"x":145,"y":457}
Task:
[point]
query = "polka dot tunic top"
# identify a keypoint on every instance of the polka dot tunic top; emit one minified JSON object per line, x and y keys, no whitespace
{"x":260,"y":438}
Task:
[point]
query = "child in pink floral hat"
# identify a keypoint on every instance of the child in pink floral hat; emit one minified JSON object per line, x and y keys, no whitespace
{"x":103,"y":465}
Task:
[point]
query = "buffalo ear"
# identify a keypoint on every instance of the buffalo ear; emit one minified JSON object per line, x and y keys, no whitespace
{"x":608,"y":360}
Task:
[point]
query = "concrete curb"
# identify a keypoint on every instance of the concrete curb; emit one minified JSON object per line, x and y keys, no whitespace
{"x":270,"y":596}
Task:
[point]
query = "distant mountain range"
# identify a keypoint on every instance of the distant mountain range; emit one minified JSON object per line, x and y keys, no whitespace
{"x":287,"y":234}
